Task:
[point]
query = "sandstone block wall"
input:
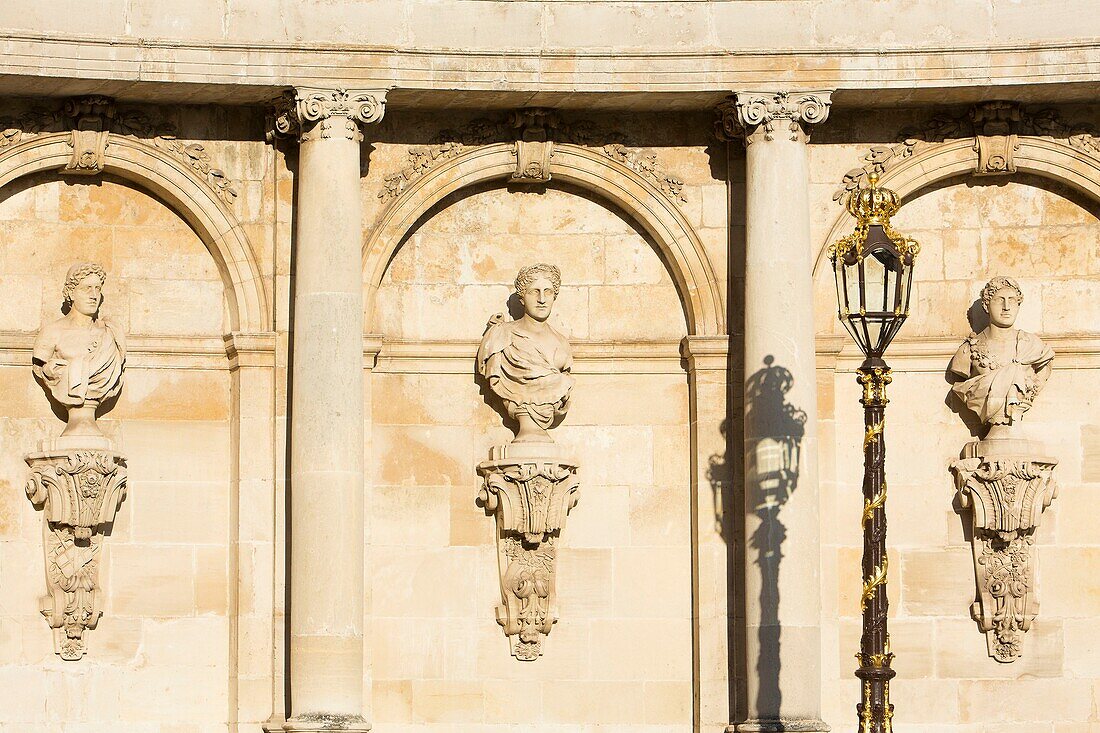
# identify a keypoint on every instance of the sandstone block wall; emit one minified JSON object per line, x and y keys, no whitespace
{"x":191,"y":638}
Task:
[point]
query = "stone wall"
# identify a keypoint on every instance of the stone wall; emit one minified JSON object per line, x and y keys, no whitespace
{"x":192,"y":634}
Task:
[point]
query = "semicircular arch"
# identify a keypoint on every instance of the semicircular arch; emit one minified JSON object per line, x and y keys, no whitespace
{"x":1040,"y":156}
{"x":172,"y":182}
{"x":677,"y":241}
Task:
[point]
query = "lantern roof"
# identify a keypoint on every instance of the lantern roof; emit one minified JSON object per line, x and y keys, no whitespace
{"x":872,"y":206}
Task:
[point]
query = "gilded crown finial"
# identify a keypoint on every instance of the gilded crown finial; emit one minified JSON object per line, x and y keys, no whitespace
{"x":873,"y":204}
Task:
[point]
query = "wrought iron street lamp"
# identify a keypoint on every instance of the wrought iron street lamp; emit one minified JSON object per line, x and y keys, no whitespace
{"x":874,"y":273}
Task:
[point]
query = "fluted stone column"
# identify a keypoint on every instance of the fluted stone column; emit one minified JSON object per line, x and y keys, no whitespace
{"x":326,"y":419}
{"x":782,"y":567}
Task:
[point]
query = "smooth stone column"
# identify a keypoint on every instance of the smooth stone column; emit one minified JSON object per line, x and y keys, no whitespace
{"x":326,"y":419}
{"x":782,"y":556}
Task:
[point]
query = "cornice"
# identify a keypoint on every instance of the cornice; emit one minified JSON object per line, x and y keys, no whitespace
{"x":249,"y":73}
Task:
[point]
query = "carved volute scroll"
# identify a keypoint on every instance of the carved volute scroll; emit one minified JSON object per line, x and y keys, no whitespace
{"x":527,"y":484}
{"x":1004,"y":481}
{"x":78,"y":480}
{"x":752,"y":116}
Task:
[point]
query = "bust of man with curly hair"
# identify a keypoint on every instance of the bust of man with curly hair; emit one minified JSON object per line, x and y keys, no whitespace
{"x":527,"y":362}
{"x":79,"y":358}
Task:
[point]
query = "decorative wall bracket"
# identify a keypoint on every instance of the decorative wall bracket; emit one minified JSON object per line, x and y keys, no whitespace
{"x":79,"y":492}
{"x":1006,"y":496}
{"x":530,"y":497}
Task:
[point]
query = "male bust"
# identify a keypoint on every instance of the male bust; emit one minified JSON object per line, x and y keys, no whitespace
{"x":79,"y":358}
{"x":1003,"y":368}
{"x":526,"y":362}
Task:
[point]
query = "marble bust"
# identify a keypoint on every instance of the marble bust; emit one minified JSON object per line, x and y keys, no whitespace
{"x":1002,"y":368}
{"x":79,"y":358}
{"x":527,"y":362}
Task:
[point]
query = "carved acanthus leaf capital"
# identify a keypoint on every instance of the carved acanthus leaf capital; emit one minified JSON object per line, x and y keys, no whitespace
{"x":316,"y":113}
{"x":753,"y":116}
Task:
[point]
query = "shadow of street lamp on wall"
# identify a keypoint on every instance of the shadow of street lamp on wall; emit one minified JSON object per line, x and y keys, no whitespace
{"x":774,"y":429}
{"x":873,"y":268}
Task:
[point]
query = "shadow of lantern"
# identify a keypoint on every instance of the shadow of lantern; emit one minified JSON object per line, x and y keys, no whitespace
{"x":774,"y":430}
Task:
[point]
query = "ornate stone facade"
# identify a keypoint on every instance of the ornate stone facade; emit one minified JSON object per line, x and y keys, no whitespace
{"x":293,"y":540}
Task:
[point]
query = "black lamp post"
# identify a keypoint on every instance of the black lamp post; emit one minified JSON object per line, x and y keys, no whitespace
{"x":874,"y":274}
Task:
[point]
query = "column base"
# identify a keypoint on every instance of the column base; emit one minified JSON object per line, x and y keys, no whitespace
{"x":324,"y":723}
{"x":783,"y":725}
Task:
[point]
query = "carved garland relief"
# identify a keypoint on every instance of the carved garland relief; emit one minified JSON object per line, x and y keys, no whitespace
{"x":995,"y":127}
{"x":534,"y":132}
{"x":92,"y":120}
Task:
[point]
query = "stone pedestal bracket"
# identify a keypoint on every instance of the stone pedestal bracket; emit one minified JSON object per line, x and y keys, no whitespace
{"x":1006,"y":496}
{"x":79,"y":492}
{"x":530,"y":498}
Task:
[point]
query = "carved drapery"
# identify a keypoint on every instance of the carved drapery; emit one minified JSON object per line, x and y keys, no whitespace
{"x":1006,"y":498}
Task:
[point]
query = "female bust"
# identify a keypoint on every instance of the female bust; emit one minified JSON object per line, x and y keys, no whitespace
{"x":526,"y":362}
{"x":79,"y":358}
{"x":1003,"y":368}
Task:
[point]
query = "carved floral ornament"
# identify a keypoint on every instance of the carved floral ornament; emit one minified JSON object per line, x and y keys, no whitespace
{"x":319,"y":113}
{"x":534,"y":132}
{"x":92,"y":120}
{"x":996,"y":128}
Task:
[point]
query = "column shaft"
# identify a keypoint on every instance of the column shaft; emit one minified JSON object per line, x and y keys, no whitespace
{"x":326,"y":419}
{"x":782,"y":584}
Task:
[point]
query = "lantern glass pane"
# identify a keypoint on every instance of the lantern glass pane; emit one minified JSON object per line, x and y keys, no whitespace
{"x":877,"y":281}
{"x":907,"y":288}
{"x":838,"y":279}
{"x":851,"y":287}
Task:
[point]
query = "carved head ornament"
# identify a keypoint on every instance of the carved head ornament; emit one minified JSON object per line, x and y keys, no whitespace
{"x":529,"y":274}
{"x":77,"y":273}
{"x":997,"y":284}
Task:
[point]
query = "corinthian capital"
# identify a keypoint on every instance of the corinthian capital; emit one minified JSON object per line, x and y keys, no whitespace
{"x":316,"y":113}
{"x":754,"y":116}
